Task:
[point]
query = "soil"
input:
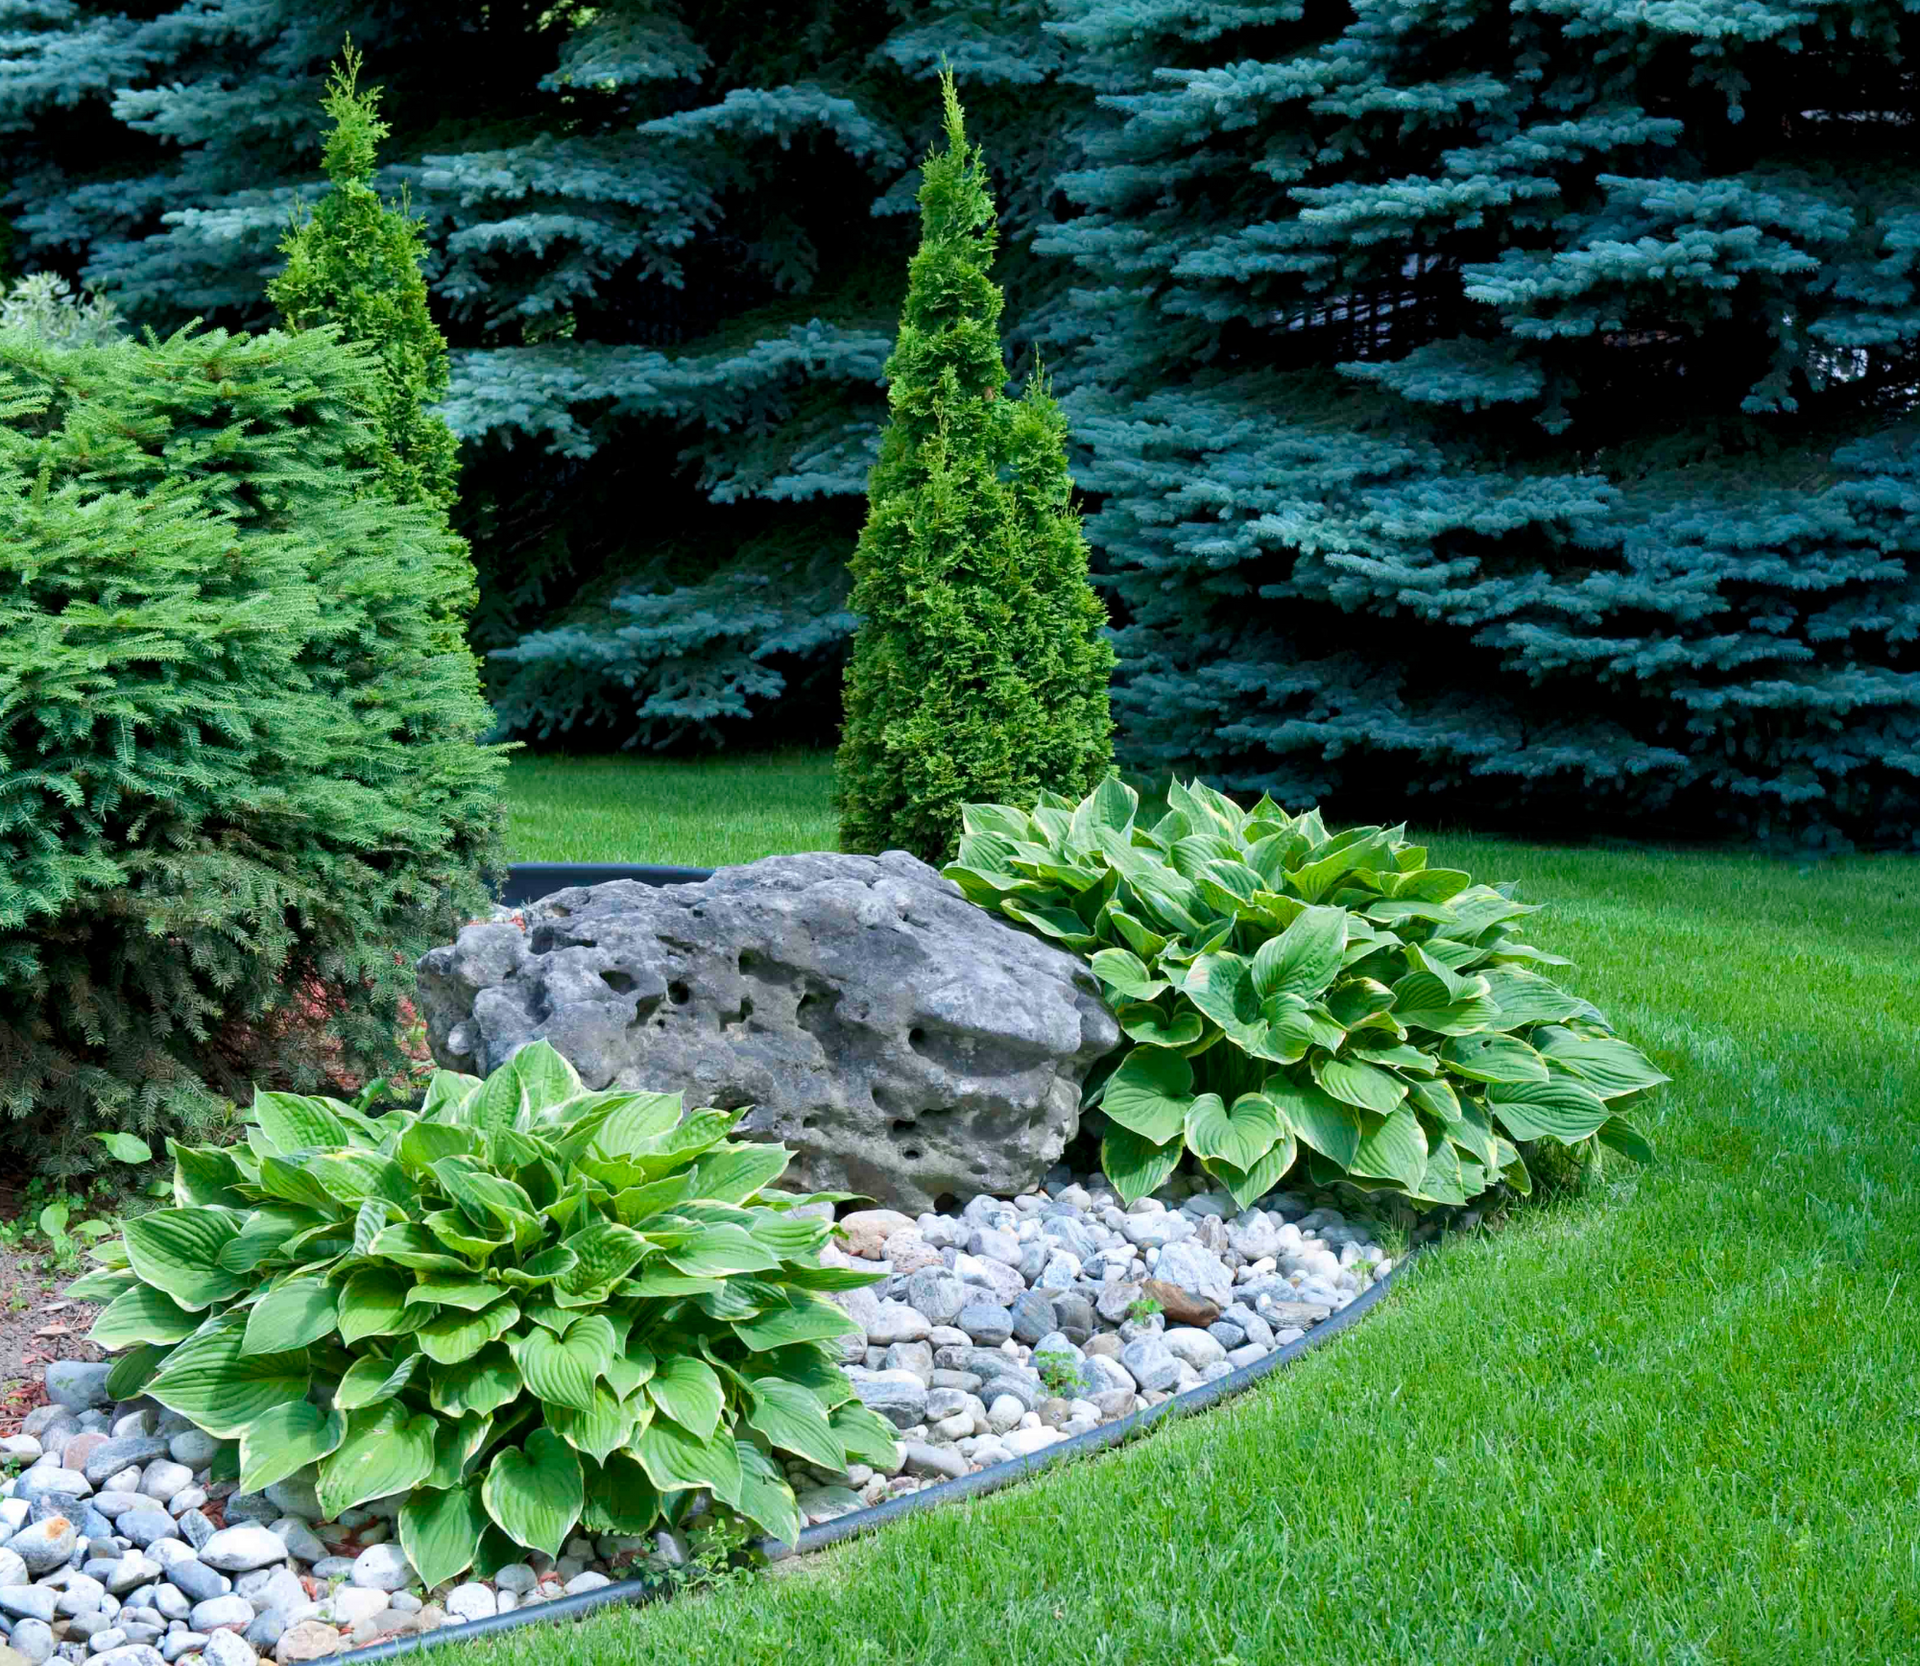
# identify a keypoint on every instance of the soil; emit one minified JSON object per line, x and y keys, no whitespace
{"x":37,"y":1326}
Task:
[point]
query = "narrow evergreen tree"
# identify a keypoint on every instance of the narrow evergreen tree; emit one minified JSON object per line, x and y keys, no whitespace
{"x":355,"y":262}
{"x":979,"y":672}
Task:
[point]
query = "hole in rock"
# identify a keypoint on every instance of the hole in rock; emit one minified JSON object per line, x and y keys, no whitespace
{"x":729,"y":1019}
{"x":911,"y":1153}
{"x":621,"y":983}
{"x":679,"y":993}
{"x":902,"y":1124}
{"x":809,"y":1120}
{"x":750,"y":962}
{"x":946,"y":1204}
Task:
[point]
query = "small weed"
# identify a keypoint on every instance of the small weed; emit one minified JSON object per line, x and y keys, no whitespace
{"x":1060,"y":1371}
{"x":1143,"y":1309}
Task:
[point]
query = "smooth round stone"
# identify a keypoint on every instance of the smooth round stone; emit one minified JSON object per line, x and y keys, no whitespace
{"x":351,"y":1604}
{"x":242,"y":1549}
{"x":193,"y":1447}
{"x":300,"y":1539}
{"x":230,"y":1610}
{"x":198,"y":1581}
{"x":171,"y":1602}
{"x":45,"y":1545}
{"x":23,"y":1447}
{"x":32,"y":1640}
{"x":226,"y":1648}
{"x":163,"y":1478}
{"x":182,"y":1642}
{"x":516,"y":1577}
{"x":472,"y":1601}
{"x":78,"y":1386}
{"x":48,"y":1480}
{"x":581,"y":1583}
{"x":28,"y":1602}
{"x":382,"y":1567}
{"x":104,"y":1642}
{"x":987,"y":1323}
{"x":144,"y":1526}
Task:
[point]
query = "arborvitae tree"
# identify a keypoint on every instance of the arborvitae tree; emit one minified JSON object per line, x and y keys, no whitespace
{"x":979,"y":672}
{"x":242,"y":786}
{"x":355,"y":262}
{"x":666,"y":243}
{"x":1502,"y":403}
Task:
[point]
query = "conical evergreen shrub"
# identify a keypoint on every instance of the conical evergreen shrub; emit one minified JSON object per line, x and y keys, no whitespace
{"x":355,"y":262}
{"x":240,"y":790}
{"x":979,"y":671}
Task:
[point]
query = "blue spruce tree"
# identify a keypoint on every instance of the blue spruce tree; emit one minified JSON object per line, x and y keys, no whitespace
{"x":1511,"y":405}
{"x":665,"y":242}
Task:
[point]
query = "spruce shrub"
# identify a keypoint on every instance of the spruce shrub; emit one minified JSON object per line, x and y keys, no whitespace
{"x":240,"y":789}
{"x":979,"y":670}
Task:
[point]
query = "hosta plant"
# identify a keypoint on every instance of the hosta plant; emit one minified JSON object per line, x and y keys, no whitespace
{"x":524,"y":1307}
{"x":1296,"y":996}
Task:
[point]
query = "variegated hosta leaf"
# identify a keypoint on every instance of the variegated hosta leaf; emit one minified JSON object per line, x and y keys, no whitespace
{"x":536,"y":1493}
{"x":441,"y":1531}
{"x":283,"y":1441}
{"x":386,"y":1450}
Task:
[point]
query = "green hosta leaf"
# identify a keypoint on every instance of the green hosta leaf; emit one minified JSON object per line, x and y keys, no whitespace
{"x":373,"y":1302}
{"x":109,"y":1284}
{"x":211,"y":1379}
{"x":1136,"y":936}
{"x":1421,"y":1002}
{"x":1472,"y":1131}
{"x":604,"y":1251}
{"x":867,"y":1436}
{"x":1357,"y":1002}
{"x":545,"y":1076}
{"x":456,"y":1335}
{"x":296,"y":1122}
{"x":1436,"y":1097}
{"x":1443,"y":1181}
{"x":1394,"y":1150}
{"x":1153,"y":1028}
{"x":178,"y":1251}
{"x":287,"y":1178}
{"x":438,"y":1290}
{"x":735,"y":1173}
{"x":1525,"y":997}
{"x":1262,"y":1175}
{"x":371,"y":1379}
{"x":795,"y":1421}
{"x":790,"y":1236}
{"x":1560,"y":1109}
{"x":136,"y":1368}
{"x":1357,"y":1083}
{"x":425,"y":1143}
{"x":1123,"y":971}
{"x":500,"y":1103}
{"x":619,"y":1497}
{"x":447,"y":1091}
{"x":1238,"y":1136}
{"x":484,"y":1197}
{"x":1305,"y":958}
{"x":440,"y":1531}
{"x":805,"y":1318}
{"x":599,"y":1432}
{"x":720,"y":1251}
{"x":635,"y":1122}
{"x":1149,"y":1094}
{"x":1061,"y":924}
{"x":126,"y":1148}
{"x":283,"y":1441}
{"x":385,"y":1451}
{"x":458,"y":1233}
{"x":765,"y":1498}
{"x":627,"y":1370}
{"x":1491,"y":1057}
{"x":536,"y":1493}
{"x":686,"y":1390}
{"x":140,"y":1314}
{"x":676,"y":1460}
{"x":1135,"y":1165}
{"x":412,"y":1245}
{"x":298,"y":1312}
{"x":1609,"y":1067}
{"x":455,"y":1442}
{"x":270,"y":1234}
{"x":1221,"y":986}
{"x":204,"y":1174}
{"x":351,"y":1177}
{"x":556,"y":1261}
{"x":371,"y":1219}
{"x":483,"y":1383}
{"x":560,"y":1374}
{"x":664,"y":1281}
{"x":1618,"y":1134}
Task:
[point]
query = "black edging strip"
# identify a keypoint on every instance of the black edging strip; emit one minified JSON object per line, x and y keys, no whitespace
{"x":976,"y":1485}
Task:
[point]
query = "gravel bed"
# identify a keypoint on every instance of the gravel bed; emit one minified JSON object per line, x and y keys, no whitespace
{"x":998,"y":1331}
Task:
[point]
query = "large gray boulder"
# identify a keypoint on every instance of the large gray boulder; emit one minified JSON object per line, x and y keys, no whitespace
{"x":904,"y":1043}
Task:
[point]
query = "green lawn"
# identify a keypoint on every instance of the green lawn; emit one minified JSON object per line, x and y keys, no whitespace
{"x":1676,"y":1420}
{"x":642,"y":809}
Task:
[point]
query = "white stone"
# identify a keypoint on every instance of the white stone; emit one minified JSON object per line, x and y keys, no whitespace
{"x":472,"y":1601}
{"x":349,"y":1605}
{"x":242,"y":1549}
{"x":382,"y":1568}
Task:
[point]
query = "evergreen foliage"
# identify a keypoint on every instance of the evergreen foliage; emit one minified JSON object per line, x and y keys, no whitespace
{"x":242,"y":790}
{"x":979,"y":672}
{"x":1509,"y":403}
{"x":355,"y":262}
{"x":665,"y":243}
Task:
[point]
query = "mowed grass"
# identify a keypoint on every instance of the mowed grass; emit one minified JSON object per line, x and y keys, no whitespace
{"x":1677,"y":1419}
{"x":655,"y":810}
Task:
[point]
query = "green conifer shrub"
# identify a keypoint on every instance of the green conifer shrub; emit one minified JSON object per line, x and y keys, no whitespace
{"x":979,"y":671}
{"x":239,"y":786}
{"x":355,"y":262}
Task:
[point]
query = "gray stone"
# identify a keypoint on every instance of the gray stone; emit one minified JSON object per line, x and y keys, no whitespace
{"x":1196,"y":1270}
{"x":13,"y":1571}
{"x":1195,"y":1347}
{"x":934,"y":1462}
{"x":898,"y":1396}
{"x":383,"y":1568}
{"x":197,"y":1527}
{"x":1032,"y":1317}
{"x":516,"y":1577}
{"x":1150,"y":1364}
{"x":145,"y":1526}
{"x":300,"y":1539}
{"x":51,"y":1481}
{"x":130,"y":1654}
{"x":897,"y":1322}
{"x":988,"y":1323}
{"x":226,"y":1648}
{"x":242,"y":1549}
{"x":32,"y":1640}
{"x":45,"y":1545}
{"x":295,"y":1497}
{"x":904,"y":1043}
{"x":193,"y":1447}
{"x":28,"y":1602}
{"x":251,"y":1506}
{"x":472,"y":1601}
{"x":104,"y":1642}
{"x":229,"y":1610}
{"x":1073,"y":1313}
{"x":78,"y":1386}
{"x":171,"y":1602}
{"x":267,"y":1628}
{"x":132,"y":1571}
{"x":108,"y":1460}
{"x":938,"y":1294}
{"x":182,"y":1643}
{"x":163,"y":1478}
{"x":198,"y":1581}
{"x":88,"y":1622}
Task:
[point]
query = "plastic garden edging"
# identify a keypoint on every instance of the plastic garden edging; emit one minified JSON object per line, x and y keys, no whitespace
{"x":530,"y":881}
{"x":649,"y":1589}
